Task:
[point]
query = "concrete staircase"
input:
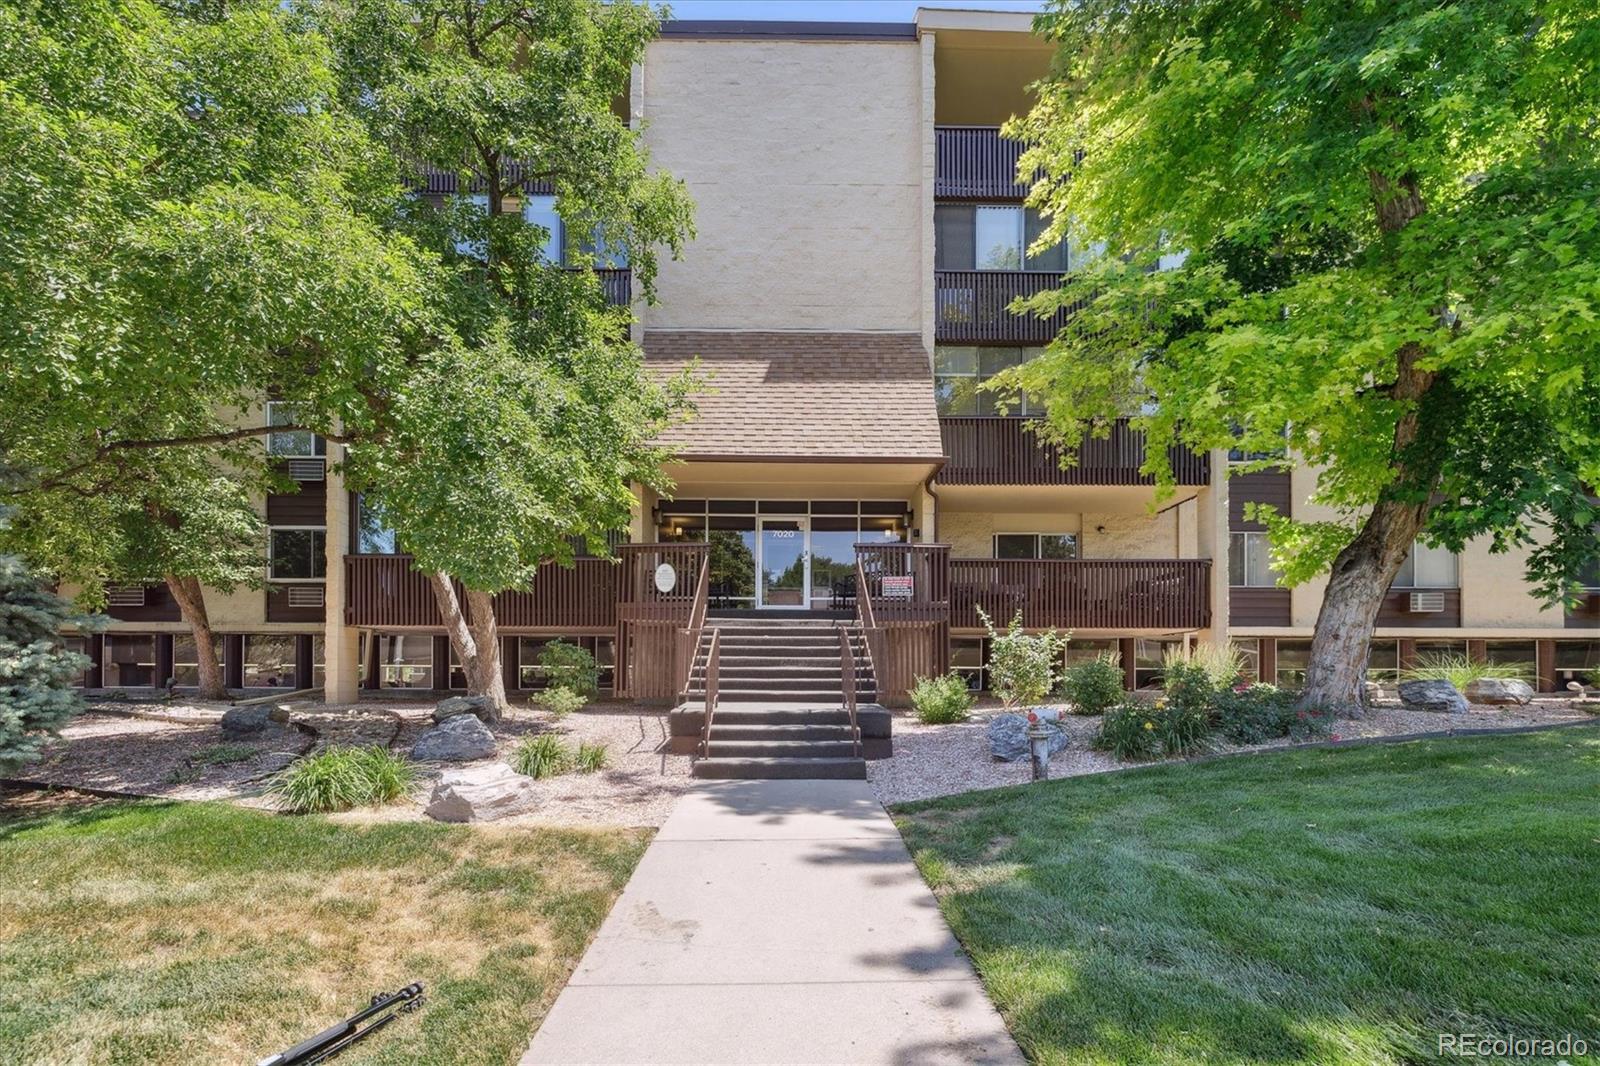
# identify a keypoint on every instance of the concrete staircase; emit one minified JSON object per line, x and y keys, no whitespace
{"x":780,"y":710}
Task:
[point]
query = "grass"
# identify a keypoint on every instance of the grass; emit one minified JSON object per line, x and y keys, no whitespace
{"x":591,"y":758}
{"x":1462,"y":671}
{"x":1329,"y":906}
{"x":337,"y":779}
{"x":201,"y":933}
{"x":542,"y":756}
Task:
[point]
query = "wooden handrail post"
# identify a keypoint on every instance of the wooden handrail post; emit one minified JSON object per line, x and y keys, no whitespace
{"x":847,"y":677}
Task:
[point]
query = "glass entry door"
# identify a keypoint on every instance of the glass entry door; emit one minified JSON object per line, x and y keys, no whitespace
{"x":785,"y":562}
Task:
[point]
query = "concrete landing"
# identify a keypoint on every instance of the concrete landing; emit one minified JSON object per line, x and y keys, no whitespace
{"x":774,"y":922}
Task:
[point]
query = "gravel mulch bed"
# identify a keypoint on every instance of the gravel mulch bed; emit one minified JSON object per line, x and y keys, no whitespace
{"x":941,"y":760}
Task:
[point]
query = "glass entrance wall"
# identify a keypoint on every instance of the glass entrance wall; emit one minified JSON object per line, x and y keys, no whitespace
{"x":826,"y":532}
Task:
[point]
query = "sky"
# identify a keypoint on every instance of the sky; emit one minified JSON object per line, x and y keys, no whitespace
{"x":832,"y":10}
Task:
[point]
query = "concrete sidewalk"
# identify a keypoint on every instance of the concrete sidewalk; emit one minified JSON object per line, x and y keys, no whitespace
{"x":768,"y":922}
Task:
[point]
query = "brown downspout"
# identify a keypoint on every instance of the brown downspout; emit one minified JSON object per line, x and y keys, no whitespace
{"x":927,"y":486}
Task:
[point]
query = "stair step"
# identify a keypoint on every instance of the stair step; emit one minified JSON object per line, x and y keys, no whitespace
{"x":759,"y":769}
{"x":790,"y":716}
{"x":780,"y":749}
{"x":775,"y":685}
{"x":764,"y":733}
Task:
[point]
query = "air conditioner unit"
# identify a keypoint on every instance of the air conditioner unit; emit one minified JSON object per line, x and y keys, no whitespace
{"x":1426,"y":602}
{"x":307,"y":469}
{"x":306,"y":596}
{"x":125,"y":595}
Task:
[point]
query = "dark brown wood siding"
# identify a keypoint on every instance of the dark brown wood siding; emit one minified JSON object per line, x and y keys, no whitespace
{"x":1262,"y":486}
{"x":1586,"y":615}
{"x":1258,"y":606}
{"x":308,"y":507}
{"x":279,"y":610}
{"x":990,"y":450}
{"x":1396,"y":610}
{"x":159,"y":606}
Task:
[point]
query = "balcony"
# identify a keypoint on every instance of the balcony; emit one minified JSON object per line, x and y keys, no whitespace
{"x":385,"y":593}
{"x":618,"y":286}
{"x":1172,"y":595}
{"x":973,"y":307}
{"x":976,"y":163}
{"x":1004,"y":451}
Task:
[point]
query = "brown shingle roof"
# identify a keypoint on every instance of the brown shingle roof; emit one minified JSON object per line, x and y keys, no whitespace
{"x":803,"y":395}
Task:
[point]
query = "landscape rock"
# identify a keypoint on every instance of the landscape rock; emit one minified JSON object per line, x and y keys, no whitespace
{"x":452,"y":706}
{"x":245,"y":721}
{"x":1438,"y":696}
{"x":480,"y":794}
{"x":1499,"y":690}
{"x":460,"y":738}
{"x":281,"y":713}
{"x":1008,"y":736}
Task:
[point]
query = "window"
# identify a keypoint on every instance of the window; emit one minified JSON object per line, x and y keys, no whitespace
{"x":967,"y":659}
{"x":1249,"y":650}
{"x":1589,"y":574}
{"x":186,"y":660}
{"x":405,"y":660}
{"x":541,"y":211}
{"x":297,"y":554}
{"x":974,"y":237}
{"x":960,"y":370}
{"x":1249,"y":562}
{"x":606,"y":254}
{"x":478,"y":202}
{"x":1575,"y":660}
{"x":1083,"y":651}
{"x":269,"y":660}
{"x":319,"y":673}
{"x":1293,"y":656}
{"x":1148,"y":656}
{"x":80,"y":646}
{"x":291,"y":443}
{"x":373,"y":535}
{"x":1428,"y":568}
{"x":1383,"y":661}
{"x":1035,"y":545}
{"x":129,"y":661}
{"x":529,"y":673}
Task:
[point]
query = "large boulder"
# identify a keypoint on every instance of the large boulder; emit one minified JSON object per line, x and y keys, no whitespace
{"x":1440,"y":697}
{"x":246,"y":721}
{"x":452,"y":706}
{"x":480,"y":794}
{"x":1008,"y":737}
{"x":461,"y":738}
{"x":1499,"y":690}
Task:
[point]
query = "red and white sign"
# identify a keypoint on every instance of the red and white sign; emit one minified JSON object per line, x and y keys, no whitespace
{"x":897,"y":588}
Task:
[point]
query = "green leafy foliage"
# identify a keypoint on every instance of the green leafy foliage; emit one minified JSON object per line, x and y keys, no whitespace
{"x":591,"y":758}
{"x":544,"y":755}
{"x":37,"y":673}
{"x":1023,"y":667}
{"x":941,"y":700}
{"x":1462,"y":670}
{"x":1128,"y":731}
{"x":560,"y":701}
{"x":571,"y":667}
{"x":340,"y":778}
{"x":1253,"y":714}
{"x":1095,"y":685}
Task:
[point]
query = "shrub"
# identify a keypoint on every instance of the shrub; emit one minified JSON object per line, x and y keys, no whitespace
{"x":337,"y":779}
{"x":941,"y":700}
{"x":1095,"y":686}
{"x":36,"y":670}
{"x":1250,"y":715}
{"x":1022,"y":668}
{"x":570,"y":667}
{"x":1462,"y":671}
{"x":1128,"y":731}
{"x":542,"y":756}
{"x":560,"y":700}
{"x":591,"y":757}
{"x":223,"y":754}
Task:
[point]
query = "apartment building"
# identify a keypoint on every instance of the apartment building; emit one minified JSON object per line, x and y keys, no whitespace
{"x":860,"y":234}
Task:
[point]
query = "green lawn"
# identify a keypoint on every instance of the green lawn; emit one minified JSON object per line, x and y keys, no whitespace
{"x":204,"y":933}
{"x":1316,"y":906}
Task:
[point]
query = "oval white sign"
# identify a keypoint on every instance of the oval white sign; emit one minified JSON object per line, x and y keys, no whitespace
{"x":666,"y":578}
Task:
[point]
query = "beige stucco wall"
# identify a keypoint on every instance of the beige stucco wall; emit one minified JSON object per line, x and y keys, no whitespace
{"x":806,"y":165}
{"x":1130,"y":536}
{"x":970,"y":534}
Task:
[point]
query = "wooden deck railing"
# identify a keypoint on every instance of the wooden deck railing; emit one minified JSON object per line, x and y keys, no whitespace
{"x":974,"y":306}
{"x":976,"y":163}
{"x":661,"y":611}
{"x":618,"y":286}
{"x":384,"y":592}
{"x":1165,"y":594}
{"x":903,"y":604}
{"x":847,"y":680}
{"x":1006,"y":451}
{"x":713,"y":674}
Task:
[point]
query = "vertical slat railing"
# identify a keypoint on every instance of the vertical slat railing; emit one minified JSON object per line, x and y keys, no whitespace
{"x":658,"y":629}
{"x":1163,"y":594}
{"x":996,"y":450}
{"x":976,"y":163}
{"x":907,"y":634}
{"x":972,"y":306}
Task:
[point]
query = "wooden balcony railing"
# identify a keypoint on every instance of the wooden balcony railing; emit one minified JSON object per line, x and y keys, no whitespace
{"x":903,"y":605}
{"x":1005,"y":451}
{"x":972,"y":306}
{"x":384,"y":592}
{"x":1118,"y":594}
{"x":976,"y":163}
{"x":618,"y":286}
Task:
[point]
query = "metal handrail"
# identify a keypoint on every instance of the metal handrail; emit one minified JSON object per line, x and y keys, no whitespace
{"x":690,"y":635}
{"x":847,"y":675}
{"x":713,"y":664}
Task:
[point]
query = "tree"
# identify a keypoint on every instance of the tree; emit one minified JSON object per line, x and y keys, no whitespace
{"x":36,"y":671}
{"x":523,"y":433}
{"x":1394,"y":270}
{"x":186,"y":230}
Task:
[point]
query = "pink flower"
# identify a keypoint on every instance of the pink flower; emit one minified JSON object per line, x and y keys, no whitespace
{"x":1336,"y":736}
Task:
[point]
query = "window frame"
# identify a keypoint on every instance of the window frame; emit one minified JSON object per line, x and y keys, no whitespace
{"x":318,"y":446}
{"x":1399,"y":584}
{"x":272,"y":554}
{"x":1260,"y":537}
{"x":1038,"y":545}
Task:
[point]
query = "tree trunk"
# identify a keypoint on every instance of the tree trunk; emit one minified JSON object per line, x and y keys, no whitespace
{"x":191,"y":600}
{"x":476,"y":642}
{"x":1336,"y":673}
